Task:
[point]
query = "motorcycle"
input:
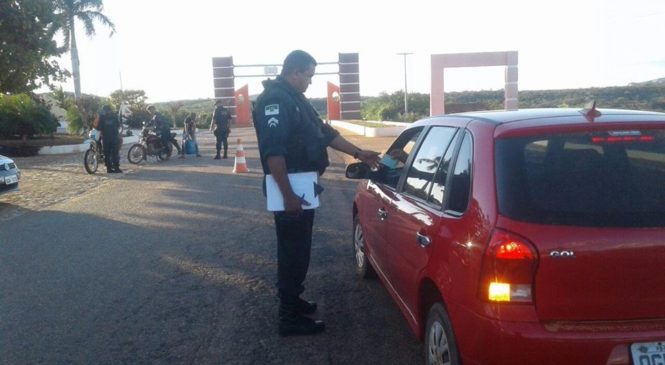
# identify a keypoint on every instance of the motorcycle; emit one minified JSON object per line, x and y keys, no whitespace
{"x":150,"y":144}
{"x":94,"y":155}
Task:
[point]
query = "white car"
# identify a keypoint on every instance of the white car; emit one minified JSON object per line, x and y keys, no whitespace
{"x":9,"y":175}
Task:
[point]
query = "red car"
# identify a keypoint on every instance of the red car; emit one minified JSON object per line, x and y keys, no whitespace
{"x":522,"y":237}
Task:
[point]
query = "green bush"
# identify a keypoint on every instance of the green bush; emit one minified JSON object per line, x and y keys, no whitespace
{"x":75,"y":120}
{"x":24,"y":116}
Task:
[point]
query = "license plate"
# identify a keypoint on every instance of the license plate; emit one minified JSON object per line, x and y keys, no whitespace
{"x":11,"y":179}
{"x":648,"y":353}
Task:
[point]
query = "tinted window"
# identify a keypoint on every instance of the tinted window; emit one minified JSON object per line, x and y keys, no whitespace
{"x":592,"y":179}
{"x":461,"y":180}
{"x":401,"y":148}
{"x":426,"y":161}
{"x":439,"y":184}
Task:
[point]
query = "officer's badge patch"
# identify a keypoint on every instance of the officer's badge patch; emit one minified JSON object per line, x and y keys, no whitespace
{"x":272,"y":109}
{"x":273,"y":122}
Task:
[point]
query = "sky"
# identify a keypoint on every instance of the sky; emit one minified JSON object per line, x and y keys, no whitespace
{"x":166,"y":47}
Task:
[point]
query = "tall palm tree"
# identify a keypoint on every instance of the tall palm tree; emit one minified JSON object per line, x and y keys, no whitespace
{"x":87,"y":11}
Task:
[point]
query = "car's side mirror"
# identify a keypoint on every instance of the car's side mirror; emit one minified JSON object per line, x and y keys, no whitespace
{"x":357,"y":170}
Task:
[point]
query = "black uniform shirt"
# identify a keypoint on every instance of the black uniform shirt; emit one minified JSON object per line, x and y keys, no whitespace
{"x":221,"y":117}
{"x":287,"y":125}
{"x":108,"y":124}
{"x":160,"y":122}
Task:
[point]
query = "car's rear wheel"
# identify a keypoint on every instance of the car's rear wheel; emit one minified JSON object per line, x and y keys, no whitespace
{"x":440,"y":344}
{"x":363,"y":267}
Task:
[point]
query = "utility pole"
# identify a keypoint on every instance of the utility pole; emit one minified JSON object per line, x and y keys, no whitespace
{"x":406,"y":103}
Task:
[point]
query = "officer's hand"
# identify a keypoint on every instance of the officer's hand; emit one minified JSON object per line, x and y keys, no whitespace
{"x":293,"y":204}
{"x":371,"y":158}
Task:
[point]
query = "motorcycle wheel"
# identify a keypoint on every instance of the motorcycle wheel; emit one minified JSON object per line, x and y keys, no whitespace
{"x":90,"y":161}
{"x":136,"y":154}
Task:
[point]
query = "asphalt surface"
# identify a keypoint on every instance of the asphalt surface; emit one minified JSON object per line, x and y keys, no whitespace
{"x":174,"y":263}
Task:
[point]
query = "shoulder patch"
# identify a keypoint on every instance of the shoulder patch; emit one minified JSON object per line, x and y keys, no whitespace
{"x":272,"y":109}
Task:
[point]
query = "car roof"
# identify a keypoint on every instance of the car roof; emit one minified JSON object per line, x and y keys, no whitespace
{"x":509,"y":116}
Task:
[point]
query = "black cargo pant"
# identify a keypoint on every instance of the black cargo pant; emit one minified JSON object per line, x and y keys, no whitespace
{"x":222,"y":137}
{"x":111,"y":151}
{"x":294,"y":243}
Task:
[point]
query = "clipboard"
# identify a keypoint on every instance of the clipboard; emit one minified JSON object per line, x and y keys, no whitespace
{"x":304,"y":184}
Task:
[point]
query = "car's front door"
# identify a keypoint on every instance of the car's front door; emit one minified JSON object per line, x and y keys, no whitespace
{"x":415,"y":212}
{"x":381,"y":194}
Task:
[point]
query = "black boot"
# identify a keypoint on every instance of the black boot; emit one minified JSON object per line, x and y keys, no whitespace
{"x":305,"y":307}
{"x":291,"y":323}
{"x":217,"y":157}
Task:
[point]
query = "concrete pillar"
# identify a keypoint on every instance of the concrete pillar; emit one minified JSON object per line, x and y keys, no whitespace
{"x":349,"y":85}
{"x":224,"y":82}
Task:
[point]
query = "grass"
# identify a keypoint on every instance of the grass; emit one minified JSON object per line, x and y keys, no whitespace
{"x":41,"y":141}
{"x":15,"y":147}
{"x":366,"y":123}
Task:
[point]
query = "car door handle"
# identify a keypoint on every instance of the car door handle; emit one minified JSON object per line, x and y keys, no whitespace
{"x":423,"y":240}
{"x":382,"y":214}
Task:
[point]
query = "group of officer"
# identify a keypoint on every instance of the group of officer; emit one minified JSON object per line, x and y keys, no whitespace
{"x":110,"y":125}
{"x":292,"y":138}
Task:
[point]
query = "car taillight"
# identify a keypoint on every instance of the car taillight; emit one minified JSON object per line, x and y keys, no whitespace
{"x":508,"y":269}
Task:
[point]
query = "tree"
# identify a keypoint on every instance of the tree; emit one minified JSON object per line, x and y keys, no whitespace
{"x":83,"y":113}
{"x":87,"y":11}
{"x":136,"y":100}
{"x":24,"y":115}
{"x":27,"y":48}
{"x":174,"y":107}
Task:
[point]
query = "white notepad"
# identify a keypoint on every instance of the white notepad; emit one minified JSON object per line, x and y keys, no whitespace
{"x":302,"y":183}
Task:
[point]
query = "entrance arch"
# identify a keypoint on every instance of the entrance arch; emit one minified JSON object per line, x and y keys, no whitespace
{"x":483,"y":59}
{"x":223,"y":70}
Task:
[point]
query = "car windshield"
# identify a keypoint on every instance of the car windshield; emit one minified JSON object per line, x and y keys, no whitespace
{"x":610,"y":178}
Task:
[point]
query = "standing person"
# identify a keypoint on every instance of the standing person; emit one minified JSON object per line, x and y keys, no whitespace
{"x":162,"y":126}
{"x":221,"y":125}
{"x":110,"y":126}
{"x":189,"y":133}
{"x":292,"y":138}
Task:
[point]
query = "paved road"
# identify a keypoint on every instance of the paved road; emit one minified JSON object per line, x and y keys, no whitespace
{"x":174,"y":262}
{"x":51,"y":179}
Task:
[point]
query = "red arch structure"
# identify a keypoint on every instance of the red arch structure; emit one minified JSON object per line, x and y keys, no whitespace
{"x":238,"y":103}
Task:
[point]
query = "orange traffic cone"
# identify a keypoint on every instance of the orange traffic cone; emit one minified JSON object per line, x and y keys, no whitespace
{"x":240,"y":165}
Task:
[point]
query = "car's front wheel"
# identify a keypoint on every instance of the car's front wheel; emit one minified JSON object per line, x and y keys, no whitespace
{"x":440,"y":344}
{"x":363,"y":267}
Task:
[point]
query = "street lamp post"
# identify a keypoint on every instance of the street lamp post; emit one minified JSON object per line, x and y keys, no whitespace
{"x":406,"y":103}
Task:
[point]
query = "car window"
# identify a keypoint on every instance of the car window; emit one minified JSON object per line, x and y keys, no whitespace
{"x":611,"y":178}
{"x":461,"y":181}
{"x":396,"y":156}
{"x":439,"y":184}
{"x":425,"y":163}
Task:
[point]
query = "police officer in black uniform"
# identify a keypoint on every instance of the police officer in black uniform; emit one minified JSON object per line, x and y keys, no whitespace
{"x":221,"y":127}
{"x":163,"y":127}
{"x":292,"y":138}
{"x":110,"y":126}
